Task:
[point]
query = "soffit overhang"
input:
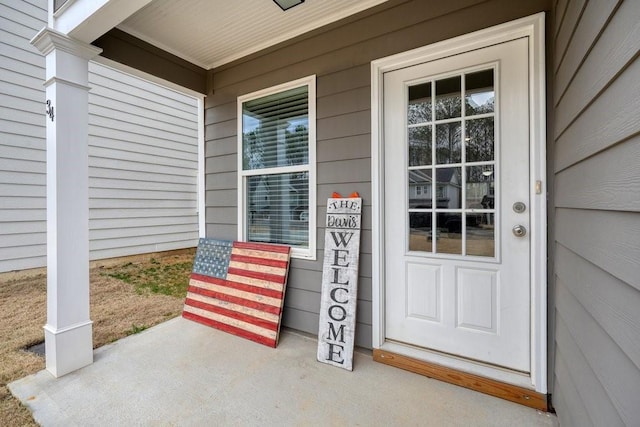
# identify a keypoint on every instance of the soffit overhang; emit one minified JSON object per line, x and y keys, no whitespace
{"x":210,"y":33}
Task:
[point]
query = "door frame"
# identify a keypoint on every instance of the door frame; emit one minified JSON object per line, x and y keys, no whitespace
{"x":531,"y":27}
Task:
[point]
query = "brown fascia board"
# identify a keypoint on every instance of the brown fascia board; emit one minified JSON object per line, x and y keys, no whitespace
{"x":126,"y":49}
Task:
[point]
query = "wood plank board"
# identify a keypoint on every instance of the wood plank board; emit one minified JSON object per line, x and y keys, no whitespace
{"x":336,"y":334}
{"x":239,"y":288}
{"x":488,"y":386}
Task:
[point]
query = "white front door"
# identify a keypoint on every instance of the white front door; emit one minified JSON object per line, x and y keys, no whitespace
{"x":457,"y":206}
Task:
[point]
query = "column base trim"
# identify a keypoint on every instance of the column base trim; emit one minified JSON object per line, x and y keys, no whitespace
{"x":68,"y":349}
{"x":474,"y":382}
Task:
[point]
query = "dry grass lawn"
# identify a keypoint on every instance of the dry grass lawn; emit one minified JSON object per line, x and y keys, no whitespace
{"x":128,"y":295}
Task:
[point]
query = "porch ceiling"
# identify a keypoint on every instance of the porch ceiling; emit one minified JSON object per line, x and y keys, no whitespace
{"x":210,"y":33}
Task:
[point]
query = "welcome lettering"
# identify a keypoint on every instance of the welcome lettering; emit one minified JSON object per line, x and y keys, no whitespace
{"x":339,"y":282}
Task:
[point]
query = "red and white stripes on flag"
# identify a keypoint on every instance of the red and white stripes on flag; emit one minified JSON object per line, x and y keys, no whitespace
{"x":239,"y":291}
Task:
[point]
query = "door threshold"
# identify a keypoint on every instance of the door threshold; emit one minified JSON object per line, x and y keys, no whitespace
{"x":474,"y":382}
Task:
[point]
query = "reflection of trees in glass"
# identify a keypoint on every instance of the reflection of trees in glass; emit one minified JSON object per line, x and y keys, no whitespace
{"x":260,"y":147}
{"x":419,"y":112}
{"x":420,"y":146}
{"x":479,"y":140}
{"x":253,"y":149}
{"x":448,"y":106}
{"x":474,"y":174}
{"x":448,"y":143}
{"x":448,"y":135}
{"x":479,"y":134}
{"x":297,"y":145}
{"x":480,"y":173}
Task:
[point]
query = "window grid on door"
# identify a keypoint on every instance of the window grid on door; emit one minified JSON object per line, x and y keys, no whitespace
{"x":451,"y":164}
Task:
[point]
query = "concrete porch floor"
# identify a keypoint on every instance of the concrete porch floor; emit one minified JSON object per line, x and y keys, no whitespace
{"x":181,"y":373}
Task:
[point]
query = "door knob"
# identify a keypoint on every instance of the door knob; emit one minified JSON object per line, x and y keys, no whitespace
{"x":519,"y":231}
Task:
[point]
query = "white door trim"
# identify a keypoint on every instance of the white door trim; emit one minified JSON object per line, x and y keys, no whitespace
{"x":531,"y":27}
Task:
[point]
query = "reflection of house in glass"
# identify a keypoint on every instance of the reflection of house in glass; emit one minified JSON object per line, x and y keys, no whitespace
{"x":448,"y":188}
{"x":267,"y":193}
{"x":278,"y":208}
{"x":448,"y":196}
{"x":449,"y":205}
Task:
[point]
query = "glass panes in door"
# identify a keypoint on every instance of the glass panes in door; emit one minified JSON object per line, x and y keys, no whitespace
{"x":451,"y":165}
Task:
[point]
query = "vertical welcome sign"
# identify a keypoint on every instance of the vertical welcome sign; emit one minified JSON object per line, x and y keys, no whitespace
{"x":336,"y":335}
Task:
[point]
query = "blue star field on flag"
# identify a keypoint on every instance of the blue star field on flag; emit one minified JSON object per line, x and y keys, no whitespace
{"x":212,"y":258}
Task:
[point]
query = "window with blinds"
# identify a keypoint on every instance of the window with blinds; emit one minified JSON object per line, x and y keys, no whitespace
{"x":277,"y":166}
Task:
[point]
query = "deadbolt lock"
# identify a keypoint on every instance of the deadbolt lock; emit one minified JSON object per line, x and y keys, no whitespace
{"x":519,"y":207}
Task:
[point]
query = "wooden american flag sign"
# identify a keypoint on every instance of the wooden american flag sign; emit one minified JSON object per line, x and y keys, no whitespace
{"x":238,"y":287}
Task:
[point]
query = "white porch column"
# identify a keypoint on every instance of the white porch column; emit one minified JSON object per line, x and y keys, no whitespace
{"x":68,"y":332}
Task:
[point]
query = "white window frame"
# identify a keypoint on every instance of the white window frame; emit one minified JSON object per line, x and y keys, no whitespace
{"x":309,"y":81}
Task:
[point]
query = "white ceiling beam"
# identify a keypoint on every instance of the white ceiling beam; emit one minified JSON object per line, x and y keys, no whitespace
{"x":86,"y":20}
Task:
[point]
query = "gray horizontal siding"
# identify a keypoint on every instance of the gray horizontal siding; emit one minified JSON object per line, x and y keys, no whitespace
{"x":340,"y":57}
{"x":616,"y":46}
{"x":142,"y":155}
{"x":588,"y":127}
{"x":590,"y":184}
{"x":596,"y":377}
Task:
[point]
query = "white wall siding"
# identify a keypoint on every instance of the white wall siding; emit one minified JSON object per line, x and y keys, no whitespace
{"x":22,"y":138}
{"x":143,"y":154}
{"x":143,"y":177}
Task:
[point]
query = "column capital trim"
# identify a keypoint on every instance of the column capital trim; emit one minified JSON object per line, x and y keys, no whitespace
{"x":48,"y":40}
{"x":53,"y":80}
